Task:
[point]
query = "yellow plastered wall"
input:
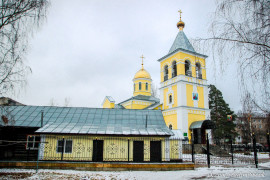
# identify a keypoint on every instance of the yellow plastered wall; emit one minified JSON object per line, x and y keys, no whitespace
{"x":158,"y":107}
{"x":189,"y":90}
{"x":203,"y":73}
{"x":171,"y":119}
{"x":114,"y":148}
{"x":201,"y":97}
{"x":180,"y":68}
{"x":137,"y":104}
{"x":192,"y":118}
{"x":174,"y":149}
{"x":165,"y":103}
{"x":108,"y":104}
{"x":143,"y":90}
{"x":180,"y":58}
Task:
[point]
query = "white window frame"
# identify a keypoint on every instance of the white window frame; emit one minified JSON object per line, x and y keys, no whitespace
{"x":33,"y":147}
{"x":65,"y":140}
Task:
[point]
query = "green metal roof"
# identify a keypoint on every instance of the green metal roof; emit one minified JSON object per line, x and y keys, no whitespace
{"x":181,"y":41}
{"x":80,"y":120}
{"x":207,"y":124}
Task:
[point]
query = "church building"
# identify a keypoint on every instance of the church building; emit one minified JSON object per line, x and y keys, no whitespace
{"x":183,"y":90}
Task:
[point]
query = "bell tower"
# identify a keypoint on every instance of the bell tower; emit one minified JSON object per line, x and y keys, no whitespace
{"x":183,"y":86}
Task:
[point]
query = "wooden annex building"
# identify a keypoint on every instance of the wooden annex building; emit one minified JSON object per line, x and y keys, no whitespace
{"x":87,"y":134}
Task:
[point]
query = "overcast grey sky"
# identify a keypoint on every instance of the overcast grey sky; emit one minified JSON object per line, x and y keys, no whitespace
{"x":87,"y":50}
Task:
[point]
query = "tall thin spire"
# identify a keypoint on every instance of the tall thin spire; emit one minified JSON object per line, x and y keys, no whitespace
{"x":180,"y":14}
{"x":142,"y":60}
{"x":180,"y":25}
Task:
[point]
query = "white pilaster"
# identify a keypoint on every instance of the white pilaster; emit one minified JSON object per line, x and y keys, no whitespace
{"x":183,"y":94}
{"x":206,"y":92}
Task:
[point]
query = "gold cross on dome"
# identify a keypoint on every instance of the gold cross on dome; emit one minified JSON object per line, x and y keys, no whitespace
{"x":142,"y":59}
{"x":180,"y":13}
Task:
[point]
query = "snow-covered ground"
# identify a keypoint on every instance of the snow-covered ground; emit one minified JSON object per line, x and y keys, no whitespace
{"x":226,"y":171}
{"x":215,"y":172}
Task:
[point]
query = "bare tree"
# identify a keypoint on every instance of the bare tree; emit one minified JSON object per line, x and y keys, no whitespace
{"x":239,"y":34}
{"x":154,"y":90}
{"x":244,"y":123}
{"x":67,"y":102}
{"x":53,"y":102}
{"x":18,"y":20}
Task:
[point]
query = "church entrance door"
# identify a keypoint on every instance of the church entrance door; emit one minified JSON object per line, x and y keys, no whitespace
{"x":155,"y":151}
{"x":138,"y":151}
{"x":98,"y":150}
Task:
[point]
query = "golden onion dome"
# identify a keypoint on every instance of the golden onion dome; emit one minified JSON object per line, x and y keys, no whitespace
{"x":180,"y":24}
{"x":142,"y":73}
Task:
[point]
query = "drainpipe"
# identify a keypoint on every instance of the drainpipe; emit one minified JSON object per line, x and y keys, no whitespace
{"x":41,"y":118}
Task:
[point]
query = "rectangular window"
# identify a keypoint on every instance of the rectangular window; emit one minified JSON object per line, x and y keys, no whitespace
{"x":32,"y":142}
{"x":68,"y":146}
{"x":59,"y":146}
{"x":65,"y":145}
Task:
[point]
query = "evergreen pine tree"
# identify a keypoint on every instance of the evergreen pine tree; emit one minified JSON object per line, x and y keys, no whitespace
{"x":219,"y":111}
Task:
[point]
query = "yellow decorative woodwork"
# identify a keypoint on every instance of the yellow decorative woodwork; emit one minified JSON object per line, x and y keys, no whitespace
{"x":114,"y":148}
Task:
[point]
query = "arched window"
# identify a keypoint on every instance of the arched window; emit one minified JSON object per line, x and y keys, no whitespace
{"x":170,"y":99}
{"x":146,"y":86}
{"x":174,"y":69}
{"x":166,"y":72}
{"x":140,"y":86}
{"x":187,"y":68}
{"x":134,"y":87}
{"x":170,"y":127}
{"x":198,"y":71}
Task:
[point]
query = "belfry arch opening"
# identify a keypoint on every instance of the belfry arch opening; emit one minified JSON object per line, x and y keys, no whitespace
{"x":198,"y":71}
{"x":174,"y":69}
{"x":166,"y":72}
{"x":187,"y":68}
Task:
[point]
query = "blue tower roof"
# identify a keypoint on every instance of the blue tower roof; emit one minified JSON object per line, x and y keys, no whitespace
{"x":181,"y":41}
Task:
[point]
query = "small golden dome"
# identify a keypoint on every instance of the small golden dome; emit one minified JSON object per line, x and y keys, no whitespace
{"x":180,"y":24}
{"x":142,"y":73}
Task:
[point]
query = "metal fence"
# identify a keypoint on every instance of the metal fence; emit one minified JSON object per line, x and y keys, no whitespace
{"x":132,"y":149}
{"x":221,"y":154}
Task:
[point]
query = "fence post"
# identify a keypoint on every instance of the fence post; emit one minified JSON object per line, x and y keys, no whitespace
{"x":255,"y":151}
{"x":38,"y":157}
{"x":192,"y":151}
{"x":208,"y":151}
{"x":128,"y":149}
{"x":192,"y":148}
{"x":62,"y":155}
{"x":268,"y":142}
{"x":232,"y":148}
